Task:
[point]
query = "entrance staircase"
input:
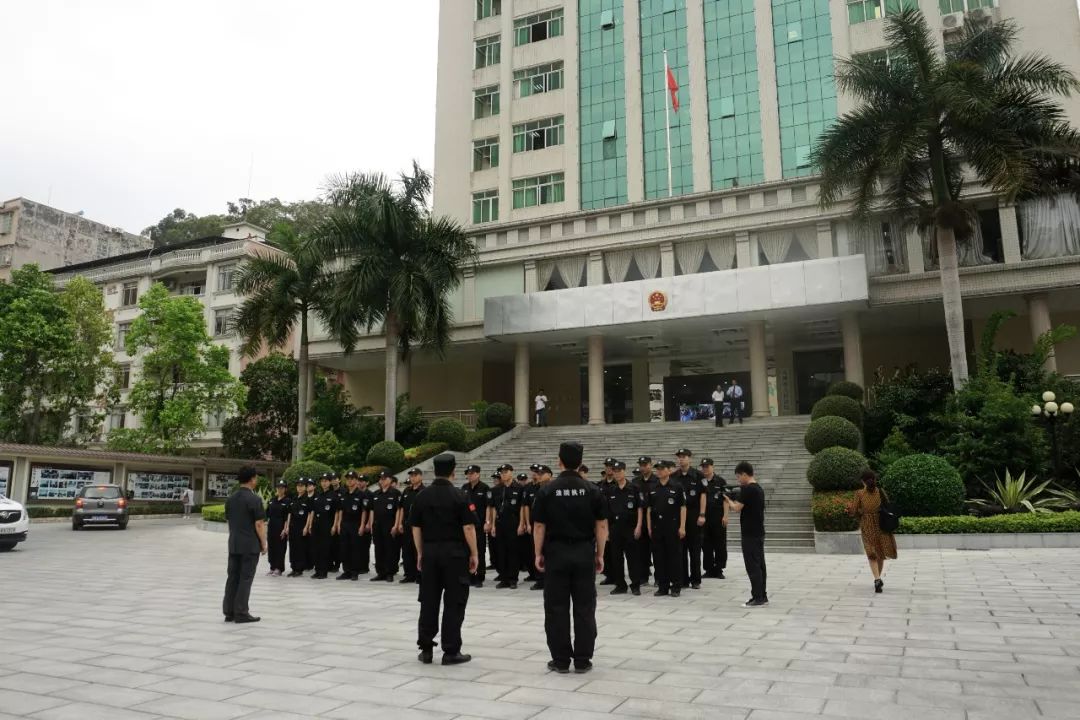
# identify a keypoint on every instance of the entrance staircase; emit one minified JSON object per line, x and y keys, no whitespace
{"x":773,"y":445}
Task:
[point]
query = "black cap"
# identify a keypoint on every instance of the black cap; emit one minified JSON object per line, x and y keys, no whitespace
{"x":309,"y":481}
{"x":644,"y":460}
{"x":637,"y":471}
{"x":506,"y":466}
{"x":472,"y":469}
{"x":416,"y":471}
{"x":363,"y":478}
{"x":543,"y":469}
{"x":535,"y":467}
{"x":705,"y":461}
{"x":570,"y":453}
{"x":665,"y":464}
{"x":609,"y":461}
{"x":444,"y":464}
{"x":683,"y":451}
{"x":352,"y":474}
{"x":328,"y":476}
{"x":583,"y":468}
{"x":522,"y":477}
{"x":281,"y":483}
{"x":494,"y":474}
{"x":618,"y":465}
{"x":386,"y":474}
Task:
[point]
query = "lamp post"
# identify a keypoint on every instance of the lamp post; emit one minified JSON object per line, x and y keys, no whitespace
{"x":1051,"y":413}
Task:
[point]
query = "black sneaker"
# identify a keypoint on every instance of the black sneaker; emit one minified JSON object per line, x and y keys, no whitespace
{"x":755,"y":603}
{"x":537,"y":586}
{"x":295,"y":573}
{"x":635,"y":590}
{"x":377,"y":578}
{"x":607,"y":582}
{"x":561,"y":669}
{"x":344,"y":576}
{"x":582,"y":667}
{"x":406,"y":580}
{"x":426,"y":656}
{"x":695,"y":586}
{"x":618,"y":591}
{"x":660,"y":593}
{"x":389,"y":578}
{"x":676,"y":592}
{"x":502,"y":585}
{"x":512,"y":586}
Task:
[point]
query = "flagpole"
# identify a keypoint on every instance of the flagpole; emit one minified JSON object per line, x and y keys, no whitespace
{"x":667,"y":122}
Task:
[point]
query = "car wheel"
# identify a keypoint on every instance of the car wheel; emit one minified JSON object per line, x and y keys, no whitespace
{"x":75,"y":525}
{"x":123,"y":525}
{"x":5,"y":546}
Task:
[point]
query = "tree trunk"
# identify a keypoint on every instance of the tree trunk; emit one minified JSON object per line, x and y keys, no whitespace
{"x":390,"y":329}
{"x":953,"y":305}
{"x":404,"y":375}
{"x":302,"y":389}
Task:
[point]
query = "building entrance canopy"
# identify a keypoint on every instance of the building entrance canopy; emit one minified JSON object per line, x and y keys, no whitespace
{"x":742,"y":294}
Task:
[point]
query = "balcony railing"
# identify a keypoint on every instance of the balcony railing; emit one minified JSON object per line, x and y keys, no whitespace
{"x":467,"y":417}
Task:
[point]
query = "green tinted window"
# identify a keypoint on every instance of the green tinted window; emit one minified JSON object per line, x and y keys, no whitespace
{"x":602,"y":103}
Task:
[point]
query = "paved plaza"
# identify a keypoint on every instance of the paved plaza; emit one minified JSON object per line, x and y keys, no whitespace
{"x":118,"y":625}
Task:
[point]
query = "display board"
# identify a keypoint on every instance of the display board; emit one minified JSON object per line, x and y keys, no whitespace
{"x":5,"y":478}
{"x":157,"y":486}
{"x":54,"y":482}
{"x":218,"y":485}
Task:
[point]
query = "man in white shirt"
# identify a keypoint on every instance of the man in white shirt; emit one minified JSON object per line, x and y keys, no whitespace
{"x":735,"y":395}
{"x":718,"y":405}
{"x":541,"y":408}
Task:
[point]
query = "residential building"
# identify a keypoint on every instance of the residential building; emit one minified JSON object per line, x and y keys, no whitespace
{"x":629,"y":296}
{"x":34,"y":233}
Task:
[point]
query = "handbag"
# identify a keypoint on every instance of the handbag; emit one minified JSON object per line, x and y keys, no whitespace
{"x":888,"y":514}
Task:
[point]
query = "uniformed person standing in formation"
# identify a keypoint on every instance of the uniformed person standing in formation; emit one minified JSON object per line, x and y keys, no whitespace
{"x":714,"y":542}
{"x":570,"y":536}
{"x":323,"y":526}
{"x":408,"y":547}
{"x":310,"y":490}
{"x":444,"y":531}
{"x":666,"y":519}
{"x":478,"y":494}
{"x":365,"y":528}
{"x":625,"y":507}
{"x":525,"y":551}
{"x":504,"y":516}
{"x":385,"y":515}
{"x":489,"y":526}
{"x":335,"y":546}
{"x":543,"y":477}
{"x":353,"y":519}
{"x":277,"y":515}
{"x":646,"y":482}
{"x":693,"y":487}
{"x":603,"y":485}
{"x":296,"y":526}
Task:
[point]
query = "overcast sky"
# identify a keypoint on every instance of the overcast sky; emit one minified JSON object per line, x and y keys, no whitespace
{"x":126,"y":109}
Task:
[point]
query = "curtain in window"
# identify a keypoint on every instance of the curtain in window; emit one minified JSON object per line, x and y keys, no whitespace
{"x":544,"y":270}
{"x":571,"y":268}
{"x":618,"y":264}
{"x":722,"y":252}
{"x":895,"y":249}
{"x":775,"y":245}
{"x":690,"y":254}
{"x":861,"y":236}
{"x":972,"y":252}
{"x":1051,"y":227}
{"x":807,"y":239}
{"x":648,"y":261}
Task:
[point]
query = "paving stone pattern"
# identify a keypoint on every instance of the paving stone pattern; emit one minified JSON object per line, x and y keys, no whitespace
{"x":118,"y":625}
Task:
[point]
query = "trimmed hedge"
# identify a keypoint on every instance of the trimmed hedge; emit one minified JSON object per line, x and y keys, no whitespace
{"x":479,"y":437}
{"x":836,"y":468}
{"x":372,"y":471}
{"x":420,"y":453}
{"x":831,"y":431}
{"x":305,"y":468}
{"x":499,"y":415}
{"x":213,"y":513}
{"x":831,"y":511}
{"x":388,"y":453}
{"x":450,"y":431}
{"x":1018,"y":523}
{"x":924,"y":486}
{"x":839,"y":406}
{"x":845,"y":388}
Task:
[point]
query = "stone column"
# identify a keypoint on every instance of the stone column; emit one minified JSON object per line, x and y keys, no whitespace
{"x":1039,"y":317}
{"x":699,"y":96}
{"x":667,"y":259}
{"x":915,"y":256}
{"x":596,"y":380}
{"x":824,"y":239}
{"x":759,"y":370}
{"x":468,"y":293}
{"x":639,"y":374}
{"x":532,"y":277}
{"x":522,"y":406}
{"x":742,"y":250}
{"x":1010,"y":233}
{"x":852,"y":337}
{"x":635,"y":132}
{"x":770,"y":106}
{"x":594,"y":273}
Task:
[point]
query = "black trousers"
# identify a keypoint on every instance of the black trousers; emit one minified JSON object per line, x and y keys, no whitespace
{"x":298,"y":551}
{"x":335,"y":553}
{"x":753,"y":552}
{"x":667,"y":556}
{"x":386,"y":549}
{"x":241,"y":571}
{"x":570,"y":586}
{"x":506,"y":553}
{"x":349,"y":549}
{"x":644,"y":548}
{"x":323,"y":543}
{"x":691,"y":553}
{"x":364,"y":554}
{"x":714,"y":545}
{"x":276,"y":547}
{"x":623,"y":545}
{"x":481,"y":553}
{"x":445,"y":578}
{"x":527,"y":555}
{"x":718,"y":411}
{"x":408,"y":555}
{"x":736,"y":411}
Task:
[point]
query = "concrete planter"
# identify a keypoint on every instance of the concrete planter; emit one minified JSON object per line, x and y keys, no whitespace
{"x":850,"y":543}
{"x":219,"y":527}
{"x":838,"y":543}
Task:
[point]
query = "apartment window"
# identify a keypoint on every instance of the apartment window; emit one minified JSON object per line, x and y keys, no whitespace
{"x":955,"y":6}
{"x":607,"y":19}
{"x":485,"y":207}
{"x":225,"y":275}
{"x":118,"y":419}
{"x":803,"y":155}
{"x":123,"y":377}
{"x":539,"y":79}
{"x":215,"y":420}
{"x":122,"y":331}
{"x":487,"y":51}
{"x":5,"y":222}
{"x":485,"y":153}
{"x":194,"y":289}
{"x":223,"y":322}
{"x":540,"y":190}
{"x":486,"y":102}
{"x":541,"y":26}
{"x":488,"y":8}
{"x":539,"y":134}
{"x":863,"y":10}
{"x":130,"y":295}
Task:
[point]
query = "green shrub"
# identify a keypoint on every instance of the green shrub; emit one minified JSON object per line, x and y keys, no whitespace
{"x":896,"y":446}
{"x":831,"y":511}
{"x":499,"y":415}
{"x":213,"y":513}
{"x":836,"y":468}
{"x":479,"y":409}
{"x":838,"y":406}
{"x":387,"y":453}
{"x":924,"y":486}
{"x":325,"y":447}
{"x":47,"y":511}
{"x":450,"y":431}
{"x":846,"y":388}
{"x":914,"y":402}
{"x":157,"y":508}
{"x":420,"y":453}
{"x":479,"y":437}
{"x":831,"y":431}
{"x":1020,"y":523}
{"x":371,"y":471}
{"x":304,"y":468}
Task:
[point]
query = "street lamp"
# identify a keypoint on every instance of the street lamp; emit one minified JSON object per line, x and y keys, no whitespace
{"x":1051,"y":413}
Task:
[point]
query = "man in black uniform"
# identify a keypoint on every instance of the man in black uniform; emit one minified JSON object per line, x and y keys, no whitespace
{"x":604,"y":484}
{"x":625,"y":505}
{"x":408,"y":547}
{"x":646,"y":481}
{"x":247,"y":539}
{"x":323,"y":526}
{"x":505,"y":517}
{"x":569,"y":536}
{"x":492,"y":541}
{"x":525,"y":552}
{"x":386,"y":503}
{"x":335,"y":547}
{"x":444,"y":530}
{"x":751,"y":507}
{"x":693,"y":487}
{"x":309,"y":546}
{"x":666,"y":519}
{"x":478,"y":494}
{"x":714,"y":540}
{"x":364,"y":549}
{"x":543,"y":477}
{"x":352,"y":520}
{"x":296,"y":526}
{"x":277,"y":515}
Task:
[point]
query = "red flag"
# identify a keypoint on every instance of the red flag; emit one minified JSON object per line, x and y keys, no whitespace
{"x":673,"y":88}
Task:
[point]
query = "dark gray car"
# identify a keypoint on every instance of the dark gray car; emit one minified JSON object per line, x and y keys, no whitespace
{"x":100,"y":505}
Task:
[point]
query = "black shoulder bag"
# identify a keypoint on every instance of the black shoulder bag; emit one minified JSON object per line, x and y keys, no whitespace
{"x":888,"y":514}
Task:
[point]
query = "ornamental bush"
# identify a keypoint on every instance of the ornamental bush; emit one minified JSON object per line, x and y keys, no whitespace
{"x":499,"y":415}
{"x":831,"y":431}
{"x":420,"y":453}
{"x":1019,"y":523}
{"x":371,"y":472}
{"x":325,"y":447}
{"x":831,"y":511}
{"x":388,"y":453}
{"x":213,"y":513}
{"x":479,"y":437}
{"x":836,"y":468}
{"x":924,"y":486}
{"x":838,"y":406}
{"x":305,"y":468}
{"x":448,"y":430}
{"x":845,"y":388}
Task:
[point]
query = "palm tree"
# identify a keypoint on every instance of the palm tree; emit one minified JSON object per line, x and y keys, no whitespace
{"x":282,"y":290}
{"x":927,"y":120}
{"x":399,"y":264}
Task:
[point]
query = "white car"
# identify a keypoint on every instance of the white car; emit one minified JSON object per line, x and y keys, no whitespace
{"x":14,"y":523}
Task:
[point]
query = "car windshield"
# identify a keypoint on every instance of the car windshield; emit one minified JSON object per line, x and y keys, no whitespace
{"x":101,"y":493}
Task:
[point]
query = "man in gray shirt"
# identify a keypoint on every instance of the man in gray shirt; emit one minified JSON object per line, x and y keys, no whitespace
{"x":247,"y":540}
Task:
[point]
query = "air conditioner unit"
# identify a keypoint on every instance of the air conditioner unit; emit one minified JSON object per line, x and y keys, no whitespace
{"x":953,"y":22}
